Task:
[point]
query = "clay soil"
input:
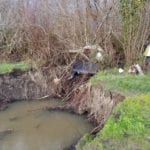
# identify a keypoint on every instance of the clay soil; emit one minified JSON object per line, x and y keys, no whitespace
{"x":79,"y":95}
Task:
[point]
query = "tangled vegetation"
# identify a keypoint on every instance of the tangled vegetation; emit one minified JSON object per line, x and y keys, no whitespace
{"x":133,"y":20}
{"x":44,"y":31}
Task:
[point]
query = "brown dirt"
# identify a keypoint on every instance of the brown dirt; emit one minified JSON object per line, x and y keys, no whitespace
{"x":79,"y":95}
{"x":93,"y":100}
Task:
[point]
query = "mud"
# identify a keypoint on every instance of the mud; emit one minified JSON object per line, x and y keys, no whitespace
{"x":78,"y":94}
{"x":5,"y":133}
{"x":94,"y":101}
{"x":19,"y":85}
{"x":28,"y":125}
{"x":26,"y":85}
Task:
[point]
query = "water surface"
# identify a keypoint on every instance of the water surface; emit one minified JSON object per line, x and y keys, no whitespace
{"x":34,"y":128}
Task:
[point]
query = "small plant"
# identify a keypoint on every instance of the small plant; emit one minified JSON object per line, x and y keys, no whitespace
{"x":8,"y":67}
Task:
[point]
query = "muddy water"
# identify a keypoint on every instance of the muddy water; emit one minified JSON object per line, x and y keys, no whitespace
{"x":26,"y":126}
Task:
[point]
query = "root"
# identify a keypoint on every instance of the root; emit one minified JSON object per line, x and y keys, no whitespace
{"x":95,"y":101}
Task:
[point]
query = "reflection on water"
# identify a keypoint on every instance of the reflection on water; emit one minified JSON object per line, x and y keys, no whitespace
{"x":33,"y":128}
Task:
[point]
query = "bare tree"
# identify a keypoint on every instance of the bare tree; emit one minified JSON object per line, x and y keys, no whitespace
{"x":45,"y":30}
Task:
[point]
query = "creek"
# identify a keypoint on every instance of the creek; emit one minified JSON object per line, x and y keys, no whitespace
{"x":27,"y":125}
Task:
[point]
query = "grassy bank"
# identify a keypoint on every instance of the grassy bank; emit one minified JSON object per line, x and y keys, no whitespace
{"x":125,"y":83}
{"x":128,"y":127}
{"x":8,"y":67}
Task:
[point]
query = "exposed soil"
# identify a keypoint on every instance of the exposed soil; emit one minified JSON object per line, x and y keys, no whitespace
{"x":94,"y":101}
{"x":80,"y":96}
{"x":19,"y":85}
{"x":25,"y":85}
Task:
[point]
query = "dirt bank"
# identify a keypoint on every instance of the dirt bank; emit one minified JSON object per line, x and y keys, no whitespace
{"x":19,"y":85}
{"x":79,"y":95}
{"x":92,"y":100}
{"x":32,"y":84}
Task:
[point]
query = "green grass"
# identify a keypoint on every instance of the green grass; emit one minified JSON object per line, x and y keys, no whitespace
{"x":128,"y":128}
{"x":8,"y":67}
{"x":124,"y":83}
